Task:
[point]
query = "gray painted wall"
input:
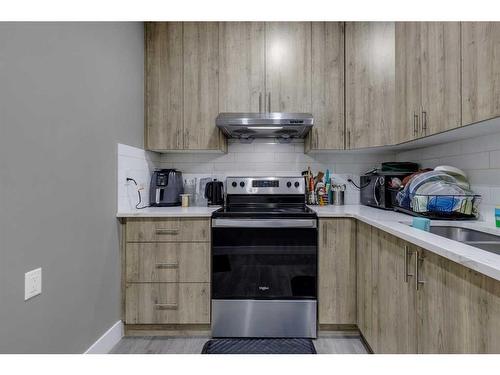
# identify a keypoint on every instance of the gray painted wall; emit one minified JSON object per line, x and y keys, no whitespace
{"x":69,"y":92}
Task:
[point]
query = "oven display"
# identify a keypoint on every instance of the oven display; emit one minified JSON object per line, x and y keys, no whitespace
{"x":265,"y":183}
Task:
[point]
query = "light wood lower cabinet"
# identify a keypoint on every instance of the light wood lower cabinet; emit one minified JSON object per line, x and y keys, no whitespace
{"x":394,"y":307}
{"x":168,"y":262}
{"x":337,"y":272}
{"x":168,"y":230}
{"x":167,"y":303}
{"x":413,"y":301}
{"x":364,"y":283}
{"x":166,"y":271}
{"x":458,"y":309}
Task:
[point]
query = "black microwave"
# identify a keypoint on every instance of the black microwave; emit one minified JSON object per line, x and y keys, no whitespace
{"x":376,"y":189}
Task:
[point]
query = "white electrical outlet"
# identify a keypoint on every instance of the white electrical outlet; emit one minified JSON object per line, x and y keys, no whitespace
{"x":32,"y":283}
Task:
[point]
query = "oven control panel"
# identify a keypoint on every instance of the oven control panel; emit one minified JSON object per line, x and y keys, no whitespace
{"x":265,"y":185}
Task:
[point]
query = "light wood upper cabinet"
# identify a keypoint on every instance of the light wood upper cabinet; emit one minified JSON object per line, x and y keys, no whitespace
{"x":242,"y":67}
{"x":427,"y":78}
{"x":408,"y":81}
{"x":327,"y":87}
{"x":163,"y":86}
{"x":370,"y":83}
{"x":201,"y":85}
{"x":337,"y":272}
{"x":288,"y":66}
{"x":480,"y":71}
{"x":181,"y":99}
{"x":440,"y":63}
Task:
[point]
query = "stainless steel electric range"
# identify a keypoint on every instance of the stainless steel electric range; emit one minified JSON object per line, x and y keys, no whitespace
{"x":264,"y":260}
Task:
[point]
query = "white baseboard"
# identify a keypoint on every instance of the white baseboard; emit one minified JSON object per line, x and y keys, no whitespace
{"x":108,"y":340}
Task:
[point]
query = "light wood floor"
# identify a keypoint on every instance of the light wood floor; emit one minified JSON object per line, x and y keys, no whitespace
{"x":334,"y":343}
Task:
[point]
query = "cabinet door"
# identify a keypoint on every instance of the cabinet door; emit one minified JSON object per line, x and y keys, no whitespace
{"x":480,"y":71}
{"x":288,"y":66}
{"x":408,"y":81}
{"x":327,"y":86}
{"x":440,"y":63}
{"x":201,"y":104}
{"x":241,"y":66}
{"x":163,"y":86}
{"x":337,"y":272}
{"x":364,"y":284}
{"x":370,"y":83}
{"x":443,"y":308}
{"x":395,"y":302}
{"x":458,"y":309}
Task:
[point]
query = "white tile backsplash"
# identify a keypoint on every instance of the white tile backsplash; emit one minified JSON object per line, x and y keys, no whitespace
{"x":268,"y":158}
{"x":479,"y":157}
{"x":138,"y":164}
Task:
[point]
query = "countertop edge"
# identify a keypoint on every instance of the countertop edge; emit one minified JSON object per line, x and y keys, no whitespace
{"x":473,"y":258}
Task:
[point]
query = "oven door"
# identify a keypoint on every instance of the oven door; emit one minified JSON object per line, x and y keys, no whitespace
{"x":273,"y":259}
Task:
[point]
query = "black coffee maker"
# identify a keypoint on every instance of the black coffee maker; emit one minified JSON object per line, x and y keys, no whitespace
{"x":214,"y":192}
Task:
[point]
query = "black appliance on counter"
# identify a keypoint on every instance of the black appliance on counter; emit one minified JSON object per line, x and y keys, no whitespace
{"x":166,"y":188}
{"x":214,"y":193}
{"x":264,"y":260}
{"x":376,"y":189}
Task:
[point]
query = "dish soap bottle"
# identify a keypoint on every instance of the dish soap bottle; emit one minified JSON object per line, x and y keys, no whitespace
{"x":328,"y":200}
{"x":497,"y":216}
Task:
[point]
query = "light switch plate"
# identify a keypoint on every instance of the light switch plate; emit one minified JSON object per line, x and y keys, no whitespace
{"x":32,"y":283}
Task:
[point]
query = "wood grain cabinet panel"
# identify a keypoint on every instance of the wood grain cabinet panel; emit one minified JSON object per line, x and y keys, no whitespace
{"x":327,"y":87}
{"x":242,"y":74}
{"x":427,"y":78}
{"x":201,"y":85}
{"x":440,"y":63}
{"x":408,"y":81}
{"x":370,"y":84}
{"x":337,"y":271}
{"x":167,"y":303}
{"x":395,"y":301}
{"x":168,"y":262}
{"x":365,"y":258}
{"x":458,"y":309}
{"x":163,"y":86}
{"x":288,"y":66}
{"x":480,"y":71}
{"x":168,"y":230}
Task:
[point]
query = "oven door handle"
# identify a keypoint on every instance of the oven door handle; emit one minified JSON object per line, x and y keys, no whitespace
{"x":264,"y":223}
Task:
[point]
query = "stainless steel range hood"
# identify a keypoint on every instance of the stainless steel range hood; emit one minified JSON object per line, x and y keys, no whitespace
{"x":247,"y":126}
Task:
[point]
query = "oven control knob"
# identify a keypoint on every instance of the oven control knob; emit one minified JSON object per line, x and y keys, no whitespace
{"x":297,"y":184}
{"x":242,"y":184}
{"x":288,"y":184}
{"x":234,"y":184}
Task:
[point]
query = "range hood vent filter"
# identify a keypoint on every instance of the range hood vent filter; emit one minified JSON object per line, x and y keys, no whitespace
{"x":247,"y":126}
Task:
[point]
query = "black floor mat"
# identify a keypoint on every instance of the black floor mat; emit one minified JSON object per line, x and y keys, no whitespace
{"x":259,"y":346}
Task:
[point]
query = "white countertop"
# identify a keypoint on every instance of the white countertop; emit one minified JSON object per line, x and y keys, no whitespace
{"x":397,"y":224}
{"x":392,"y":222}
{"x":193,"y":211}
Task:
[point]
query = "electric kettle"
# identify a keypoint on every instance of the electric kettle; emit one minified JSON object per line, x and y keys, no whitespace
{"x":214,"y":192}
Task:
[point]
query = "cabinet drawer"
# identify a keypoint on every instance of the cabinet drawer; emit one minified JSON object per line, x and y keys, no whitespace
{"x":168,"y":262}
{"x":167,"y":303}
{"x":168,"y":230}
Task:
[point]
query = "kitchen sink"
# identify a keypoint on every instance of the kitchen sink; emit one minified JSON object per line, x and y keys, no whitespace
{"x":485,"y":241}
